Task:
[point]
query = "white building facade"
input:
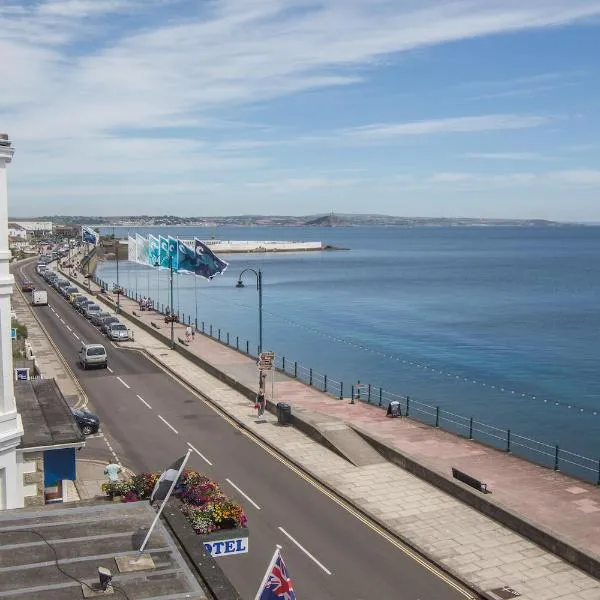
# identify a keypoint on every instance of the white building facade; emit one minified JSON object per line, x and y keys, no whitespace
{"x":11,"y":427}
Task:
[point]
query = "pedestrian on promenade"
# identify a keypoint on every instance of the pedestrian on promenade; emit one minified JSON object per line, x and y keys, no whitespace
{"x":193,"y":333}
{"x":112,"y":471}
{"x":260,"y":403}
{"x":188,"y":334}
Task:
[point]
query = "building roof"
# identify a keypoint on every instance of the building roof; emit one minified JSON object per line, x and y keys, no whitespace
{"x":47,"y":419}
{"x":82,"y":538}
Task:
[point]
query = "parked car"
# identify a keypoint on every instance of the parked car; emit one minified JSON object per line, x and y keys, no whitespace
{"x":90,"y":310}
{"x":96,"y":318}
{"x":88,"y":422}
{"x":73,"y":297}
{"x":106,"y":323}
{"x":93,"y":355}
{"x":118,"y":332}
{"x":80,"y":304}
{"x":68,"y":290}
{"x":27,"y":286}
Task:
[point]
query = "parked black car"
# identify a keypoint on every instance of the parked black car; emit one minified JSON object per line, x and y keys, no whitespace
{"x":88,"y":422}
{"x":107,"y":322}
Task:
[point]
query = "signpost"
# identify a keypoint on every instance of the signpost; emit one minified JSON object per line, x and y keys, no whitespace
{"x":265,"y":363}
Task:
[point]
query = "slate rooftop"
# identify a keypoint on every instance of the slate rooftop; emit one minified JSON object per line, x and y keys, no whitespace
{"x":47,"y":419}
{"x":86,"y":537}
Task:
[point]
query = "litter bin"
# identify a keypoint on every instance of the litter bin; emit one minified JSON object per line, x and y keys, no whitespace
{"x":284,"y":413}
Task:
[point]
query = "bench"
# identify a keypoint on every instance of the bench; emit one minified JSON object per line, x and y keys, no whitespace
{"x":470,"y":481}
{"x":154,"y":325}
{"x":183,"y":342}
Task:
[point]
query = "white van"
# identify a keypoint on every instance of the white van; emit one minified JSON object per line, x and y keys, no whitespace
{"x":39,"y":298}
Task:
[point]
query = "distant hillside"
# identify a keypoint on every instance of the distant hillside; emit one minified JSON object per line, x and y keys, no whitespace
{"x":323,"y":220}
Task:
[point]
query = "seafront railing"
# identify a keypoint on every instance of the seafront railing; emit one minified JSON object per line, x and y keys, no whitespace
{"x":507,"y":440}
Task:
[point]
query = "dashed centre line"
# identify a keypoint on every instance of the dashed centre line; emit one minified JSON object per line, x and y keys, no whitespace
{"x":144,"y":401}
{"x":125,"y":384}
{"x":200,"y":454}
{"x":321,"y":565}
{"x":110,"y":370}
{"x":243,"y":494}
{"x":69,"y":329}
{"x":168,"y":425}
{"x":75,"y":335}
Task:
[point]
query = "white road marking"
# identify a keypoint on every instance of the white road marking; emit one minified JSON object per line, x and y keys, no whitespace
{"x":110,"y":369}
{"x":304,"y":550}
{"x":69,"y":328}
{"x":168,"y":425}
{"x":200,"y":454}
{"x":127,"y":386}
{"x":144,"y":401}
{"x":243,"y":494}
{"x":75,"y":335}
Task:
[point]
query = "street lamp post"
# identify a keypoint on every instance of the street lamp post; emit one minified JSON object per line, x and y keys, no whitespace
{"x":116,"y":246}
{"x":170,"y":315}
{"x":240,"y":284}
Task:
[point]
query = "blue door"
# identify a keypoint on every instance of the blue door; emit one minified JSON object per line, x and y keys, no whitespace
{"x":58,"y":465}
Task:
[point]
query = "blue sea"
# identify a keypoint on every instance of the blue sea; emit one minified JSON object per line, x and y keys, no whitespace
{"x":498,"y":324}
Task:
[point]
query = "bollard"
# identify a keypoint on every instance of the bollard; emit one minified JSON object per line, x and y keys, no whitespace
{"x":380,"y":396}
{"x":202,"y":326}
{"x":407,"y":405}
{"x":296,"y":369}
{"x":196,"y":324}
{"x":219,"y":333}
{"x":352,"y":394}
{"x":437,"y":416}
{"x":237,"y":342}
{"x":247,"y":347}
{"x":369,"y":394}
{"x":283,"y":363}
{"x":310,"y":377}
{"x":341,"y":390}
{"x":228,"y":338}
{"x":556,"y":451}
{"x":325,"y":382}
{"x":471,"y":428}
{"x":598,"y":481}
{"x":508,"y":440}
{"x":189,"y":319}
{"x":210,"y":331}
{"x":182,"y":317}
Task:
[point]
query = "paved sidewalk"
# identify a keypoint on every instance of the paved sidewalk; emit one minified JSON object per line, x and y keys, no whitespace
{"x":477,"y":549}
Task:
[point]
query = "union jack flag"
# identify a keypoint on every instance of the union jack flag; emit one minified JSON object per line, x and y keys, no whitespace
{"x":278,"y":585}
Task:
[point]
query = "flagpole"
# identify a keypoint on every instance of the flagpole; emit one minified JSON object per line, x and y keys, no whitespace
{"x":165,"y":501}
{"x":268,"y":572}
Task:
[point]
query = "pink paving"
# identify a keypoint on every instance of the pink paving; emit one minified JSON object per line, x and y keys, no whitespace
{"x":556,"y":502}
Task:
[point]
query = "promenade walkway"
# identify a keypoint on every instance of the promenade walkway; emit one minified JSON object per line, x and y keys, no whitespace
{"x":474,"y":547}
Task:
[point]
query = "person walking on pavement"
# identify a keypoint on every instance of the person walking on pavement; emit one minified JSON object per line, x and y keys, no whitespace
{"x":112,"y":471}
{"x":188,"y":334}
{"x":260,"y":403}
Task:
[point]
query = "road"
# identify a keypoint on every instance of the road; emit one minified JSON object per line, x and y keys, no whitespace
{"x":149,"y":419}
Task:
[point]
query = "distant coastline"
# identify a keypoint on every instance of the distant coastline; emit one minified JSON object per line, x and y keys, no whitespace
{"x":318,"y":221}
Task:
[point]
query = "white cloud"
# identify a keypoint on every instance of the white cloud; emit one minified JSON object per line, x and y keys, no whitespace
{"x":505,"y":155}
{"x":480,"y":123}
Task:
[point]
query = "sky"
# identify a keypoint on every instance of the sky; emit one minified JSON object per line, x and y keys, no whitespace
{"x":432,"y":108}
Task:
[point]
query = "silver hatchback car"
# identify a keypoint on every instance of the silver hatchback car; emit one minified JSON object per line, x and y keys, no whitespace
{"x":118,"y":332}
{"x":93,"y":355}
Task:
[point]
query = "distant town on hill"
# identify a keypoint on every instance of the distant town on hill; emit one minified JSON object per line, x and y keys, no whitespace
{"x":324,"y":220}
